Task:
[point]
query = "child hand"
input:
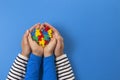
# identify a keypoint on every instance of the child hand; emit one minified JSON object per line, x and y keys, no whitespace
{"x":36,"y":49}
{"x":25,"y":45}
{"x":48,"y":50}
{"x":60,"y":43}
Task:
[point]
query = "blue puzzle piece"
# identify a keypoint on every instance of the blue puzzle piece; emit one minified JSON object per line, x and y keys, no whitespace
{"x":33,"y":33}
{"x":44,"y":32}
{"x":46,"y":37}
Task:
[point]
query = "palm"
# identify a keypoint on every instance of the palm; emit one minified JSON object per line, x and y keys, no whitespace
{"x":36,"y":47}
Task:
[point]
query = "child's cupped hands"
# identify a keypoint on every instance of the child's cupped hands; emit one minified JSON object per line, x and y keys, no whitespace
{"x":59,"y":41}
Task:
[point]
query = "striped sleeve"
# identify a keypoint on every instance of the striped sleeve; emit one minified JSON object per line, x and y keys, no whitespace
{"x":18,"y":69}
{"x":64,"y":69}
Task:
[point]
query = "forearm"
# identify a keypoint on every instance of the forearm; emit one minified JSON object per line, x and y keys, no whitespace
{"x":64,"y":69}
{"x":49,"y":68}
{"x":33,"y":68}
{"x":18,"y":69}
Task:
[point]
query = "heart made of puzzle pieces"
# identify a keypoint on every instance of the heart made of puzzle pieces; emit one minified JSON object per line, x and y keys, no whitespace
{"x":43,"y":36}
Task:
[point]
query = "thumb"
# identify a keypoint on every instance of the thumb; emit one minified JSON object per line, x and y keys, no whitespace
{"x":26,"y":34}
{"x":58,"y":43}
{"x":52,"y":42}
{"x":25,"y":39}
{"x":30,"y":38}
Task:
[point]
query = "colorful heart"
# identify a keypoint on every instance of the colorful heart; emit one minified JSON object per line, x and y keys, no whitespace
{"x":43,"y":36}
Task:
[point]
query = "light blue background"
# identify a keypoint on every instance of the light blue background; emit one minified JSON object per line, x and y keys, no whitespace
{"x":91,"y":30}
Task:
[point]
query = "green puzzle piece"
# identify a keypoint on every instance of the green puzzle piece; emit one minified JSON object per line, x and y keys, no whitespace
{"x":35,"y":38}
{"x":46,"y":37}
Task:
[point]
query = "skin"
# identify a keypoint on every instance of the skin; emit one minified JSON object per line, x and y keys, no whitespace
{"x":35,"y":48}
{"x":25,"y":45}
{"x":60,"y":43}
{"x":26,"y":49}
{"x":56,"y":45}
{"x":49,"y":49}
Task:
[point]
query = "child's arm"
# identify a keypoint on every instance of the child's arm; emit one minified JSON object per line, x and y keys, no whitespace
{"x":18,"y":69}
{"x":33,"y":68}
{"x":49,"y":68}
{"x":34,"y":63}
{"x":64,"y":69}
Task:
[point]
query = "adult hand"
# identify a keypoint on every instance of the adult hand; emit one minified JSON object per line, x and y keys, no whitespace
{"x":25,"y":45}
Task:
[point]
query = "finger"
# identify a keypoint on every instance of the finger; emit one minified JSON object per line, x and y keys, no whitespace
{"x":25,"y":37}
{"x":52,"y":39}
{"x":59,"y":42}
{"x":52,"y":42}
{"x":54,"y":30}
{"x":33,"y":27}
{"x":26,"y":33}
{"x":29,"y":38}
{"x":37,"y":26}
{"x":59,"y":37}
{"x":41,"y":27}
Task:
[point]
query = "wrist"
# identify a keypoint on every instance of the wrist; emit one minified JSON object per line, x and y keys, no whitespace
{"x":37,"y":53}
{"x":61,"y":57}
{"x":25,"y":54}
{"x":59,"y":54}
{"x":46,"y":54}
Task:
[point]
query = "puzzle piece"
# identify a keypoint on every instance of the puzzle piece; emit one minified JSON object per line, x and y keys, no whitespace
{"x":35,"y":38}
{"x":33,"y":32}
{"x":47,"y":28}
{"x":42,"y":37}
{"x":46,"y":37}
{"x":42,"y":42}
{"x":37,"y":32}
{"x":50,"y":33}
{"x":46,"y":42}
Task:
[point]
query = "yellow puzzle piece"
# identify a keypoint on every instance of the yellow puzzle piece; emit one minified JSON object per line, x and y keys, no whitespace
{"x":37,"y":33}
{"x":42,"y":42}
